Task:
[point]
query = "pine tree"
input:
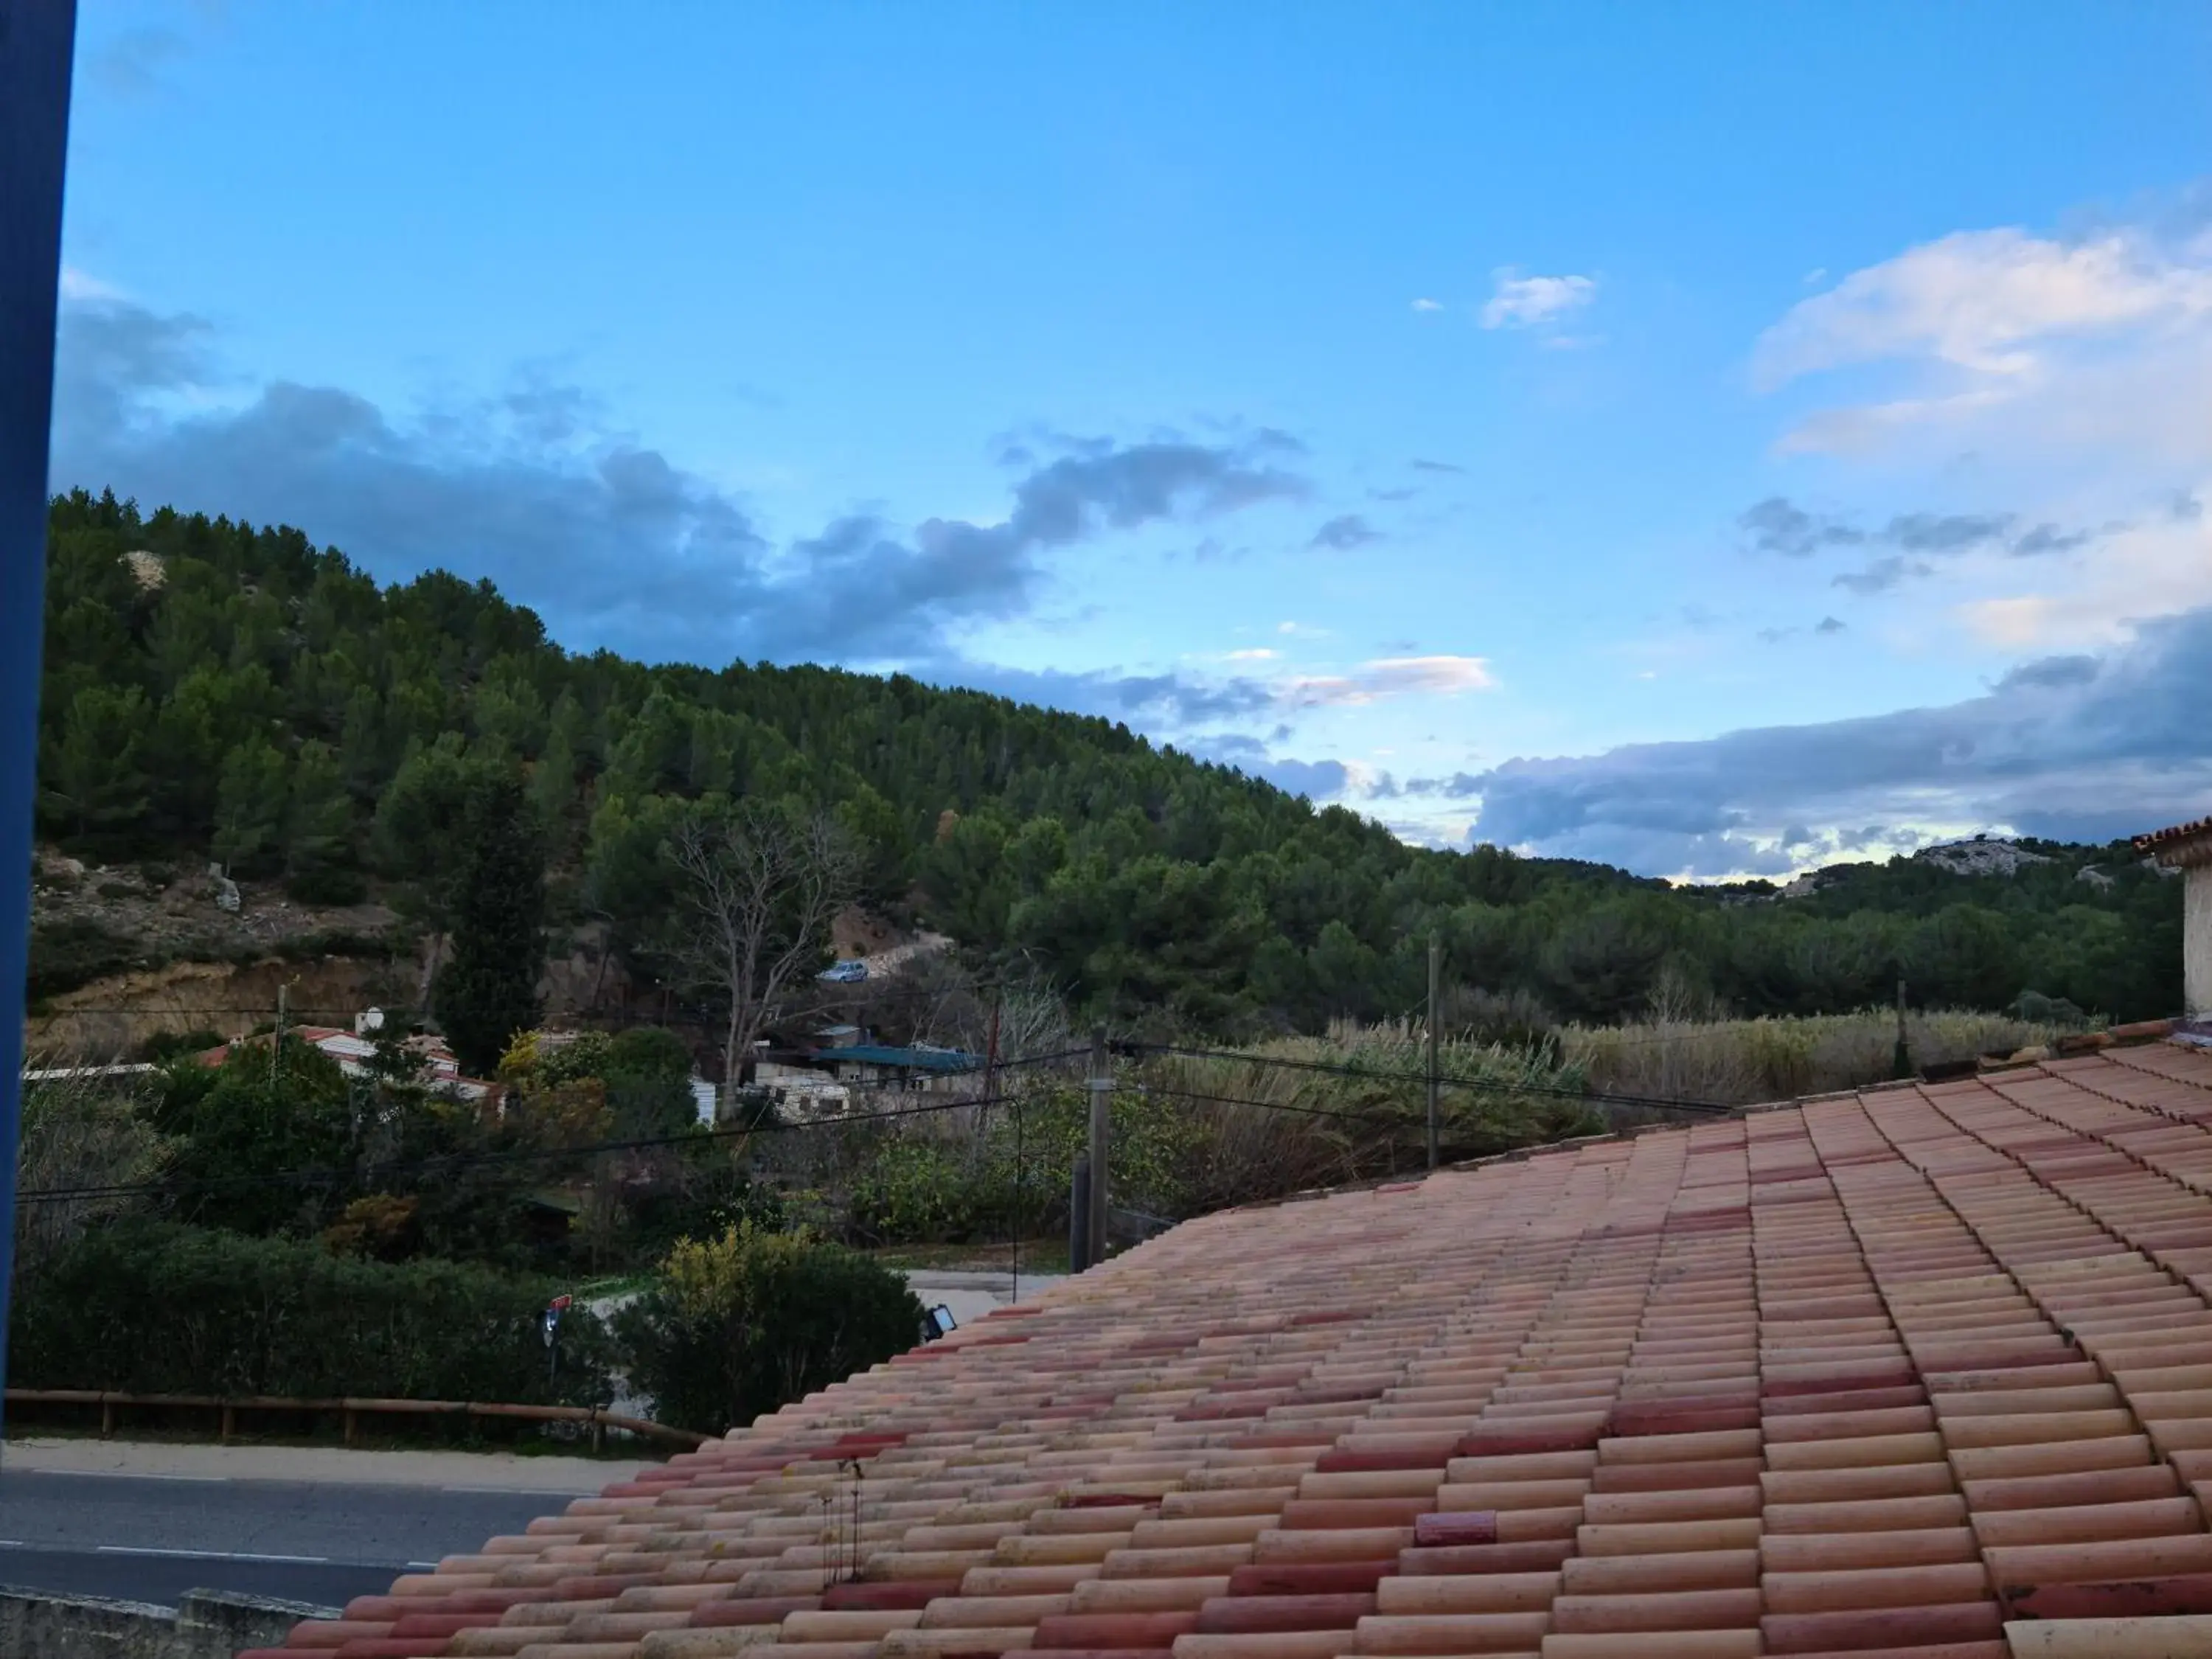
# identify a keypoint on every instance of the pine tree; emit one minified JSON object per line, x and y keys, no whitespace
{"x":98,"y":782}
{"x":489,"y":990}
{"x":319,"y":830}
{"x":249,"y":809}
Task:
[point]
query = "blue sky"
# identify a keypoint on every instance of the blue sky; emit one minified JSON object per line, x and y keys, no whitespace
{"x":1710,"y":439}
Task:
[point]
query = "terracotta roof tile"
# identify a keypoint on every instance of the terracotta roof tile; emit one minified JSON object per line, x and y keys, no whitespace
{"x":2177,"y":832}
{"x":1924,"y":1370}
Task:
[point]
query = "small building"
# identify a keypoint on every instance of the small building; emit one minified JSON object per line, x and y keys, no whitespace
{"x":882,"y":1065}
{"x":2188,"y":847}
{"x":353,"y":1051}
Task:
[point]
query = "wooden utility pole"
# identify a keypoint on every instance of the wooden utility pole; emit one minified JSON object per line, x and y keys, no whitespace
{"x":1901,"y":1061}
{"x":1435,"y":957}
{"x":1102,"y":1101}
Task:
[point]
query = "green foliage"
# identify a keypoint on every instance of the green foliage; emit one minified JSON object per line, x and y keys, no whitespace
{"x":319,"y":830}
{"x":208,"y":710}
{"x":250,"y":809}
{"x":67,"y":952}
{"x":96,"y":778}
{"x":740,"y":1324}
{"x":268,"y":1110}
{"x":648,"y":1079}
{"x":489,"y":990}
{"x":164,"y":1309}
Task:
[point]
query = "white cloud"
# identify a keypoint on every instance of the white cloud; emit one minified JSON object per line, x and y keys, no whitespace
{"x":1519,"y":302}
{"x":1988,"y":301}
{"x":2073,"y":376}
{"x":1254,"y":653}
{"x":2014,"y":346}
{"x":82,"y":287}
{"x":2096,"y":596}
{"x":1428,"y":305}
{"x":1392,"y":676}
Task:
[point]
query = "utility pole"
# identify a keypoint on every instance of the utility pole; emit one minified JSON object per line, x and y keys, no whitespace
{"x":991,"y":1099}
{"x":1101,"y":1100}
{"x":1901,"y":1061}
{"x":276,"y":1048}
{"x":1435,"y":957}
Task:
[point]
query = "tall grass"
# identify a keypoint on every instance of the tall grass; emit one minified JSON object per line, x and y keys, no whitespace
{"x":1268,"y":1120}
{"x":1743,"y":1062}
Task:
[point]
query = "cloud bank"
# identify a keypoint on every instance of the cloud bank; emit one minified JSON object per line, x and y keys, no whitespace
{"x":2080,"y":747}
{"x":613,"y":543}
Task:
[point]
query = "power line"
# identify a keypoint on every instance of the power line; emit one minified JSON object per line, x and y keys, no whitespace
{"x":369,"y":1171}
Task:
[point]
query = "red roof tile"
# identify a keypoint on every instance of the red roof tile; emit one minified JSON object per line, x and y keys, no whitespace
{"x":1924,"y":1370}
{"x":2176,"y":832}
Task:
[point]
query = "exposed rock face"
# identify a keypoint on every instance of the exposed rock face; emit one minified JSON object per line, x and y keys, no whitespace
{"x":1994,"y":856}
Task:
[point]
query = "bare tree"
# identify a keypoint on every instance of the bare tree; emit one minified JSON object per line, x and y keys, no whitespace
{"x":759,"y":887}
{"x":81,"y":1131}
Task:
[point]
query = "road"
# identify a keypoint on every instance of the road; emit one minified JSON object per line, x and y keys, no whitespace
{"x":144,"y":1538}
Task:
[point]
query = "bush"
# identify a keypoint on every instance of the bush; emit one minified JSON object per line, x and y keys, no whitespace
{"x":163,"y":1309}
{"x":737,"y":1326}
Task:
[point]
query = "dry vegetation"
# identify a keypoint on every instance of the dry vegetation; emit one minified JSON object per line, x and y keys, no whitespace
{"x":1741,"y":1063}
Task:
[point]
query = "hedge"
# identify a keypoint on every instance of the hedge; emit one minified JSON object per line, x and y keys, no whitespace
{"x":160,"y":1308}
{"x":738,"y":1325}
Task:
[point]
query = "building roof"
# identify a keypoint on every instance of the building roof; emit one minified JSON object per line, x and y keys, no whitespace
{"x":2196,"y":828}
{"x":1924,"y":1370}
{"x":921,"y":1060}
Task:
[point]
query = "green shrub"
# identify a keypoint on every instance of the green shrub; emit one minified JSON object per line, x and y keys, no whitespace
{"x":738,"y":1325}
{"x":74,"y":950}
{"x":157,"y":1308}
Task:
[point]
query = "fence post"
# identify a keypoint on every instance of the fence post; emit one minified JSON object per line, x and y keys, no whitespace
{"x":1079,"y":1217}
{"x":1436,"y":955}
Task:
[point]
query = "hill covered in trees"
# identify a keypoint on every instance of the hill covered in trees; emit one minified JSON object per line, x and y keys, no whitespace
{"x":215,"y":691}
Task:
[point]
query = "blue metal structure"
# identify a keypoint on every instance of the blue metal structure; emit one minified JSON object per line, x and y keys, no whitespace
{"x":36,"y":37}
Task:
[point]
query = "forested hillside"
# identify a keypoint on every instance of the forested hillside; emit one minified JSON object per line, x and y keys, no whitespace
{"x":214,"y":691}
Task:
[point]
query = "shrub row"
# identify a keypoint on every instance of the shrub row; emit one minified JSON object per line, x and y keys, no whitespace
{"x":731,"y":1326}
{"x":159,"y":1308}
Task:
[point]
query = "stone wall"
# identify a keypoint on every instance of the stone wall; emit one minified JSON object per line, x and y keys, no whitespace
{"x":205,"y":1625}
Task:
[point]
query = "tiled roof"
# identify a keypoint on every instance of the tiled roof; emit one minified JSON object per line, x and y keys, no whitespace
{"x":1923,"y":1370}
{"x":921,"y":1059}
{"x":2157,"y":838}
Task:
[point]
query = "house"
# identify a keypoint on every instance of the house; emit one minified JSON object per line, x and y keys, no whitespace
{"x":1913,"y":1370}
{"x":802,"y":1091}
{"x":2188,"y":847}
{"x":60,"y":1073}
{"x":354,"y":1050}
{"x":919,"y":1066}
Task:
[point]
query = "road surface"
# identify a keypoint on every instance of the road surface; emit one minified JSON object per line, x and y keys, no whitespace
{"x":150,"y":1538}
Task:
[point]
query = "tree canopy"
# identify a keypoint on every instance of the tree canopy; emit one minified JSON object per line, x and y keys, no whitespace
{"x":247,"y":696}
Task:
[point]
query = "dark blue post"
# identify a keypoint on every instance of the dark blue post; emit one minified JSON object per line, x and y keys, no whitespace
{"x":35,"y":41}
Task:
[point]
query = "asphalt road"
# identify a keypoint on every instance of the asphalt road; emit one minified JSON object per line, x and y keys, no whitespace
{"x":144,"y":1538}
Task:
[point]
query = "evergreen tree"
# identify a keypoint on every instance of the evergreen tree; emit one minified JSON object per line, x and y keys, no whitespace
{"x":489,"y":990}
{"x":98,"y":785}
{"x":250,"y":804}
{"x":318,"y":831}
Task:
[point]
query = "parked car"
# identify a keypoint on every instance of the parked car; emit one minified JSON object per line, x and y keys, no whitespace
{"x":844,"y":973}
